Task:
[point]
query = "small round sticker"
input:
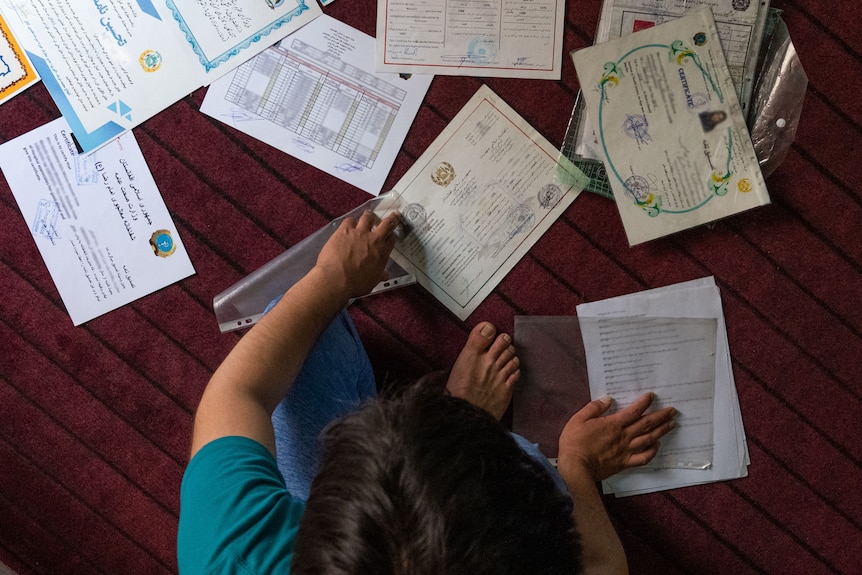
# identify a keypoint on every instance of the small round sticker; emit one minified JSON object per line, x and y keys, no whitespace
{"x":150,"y":60}
{"x":162,"y":243}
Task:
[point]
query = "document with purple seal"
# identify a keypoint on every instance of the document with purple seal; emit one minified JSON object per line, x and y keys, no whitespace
{"x":111,"y":64}
{"x":99,"y":221}
{"x":477,"y":200}
{"x":668,"y":121}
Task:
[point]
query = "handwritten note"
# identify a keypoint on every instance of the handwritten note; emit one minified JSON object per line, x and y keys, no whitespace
{"x":99,"y":221}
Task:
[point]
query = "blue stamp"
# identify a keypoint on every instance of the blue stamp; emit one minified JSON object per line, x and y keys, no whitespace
{"x":698,"y":100}
{"x":45,"y":222}
{"x":87,"y":169}
{"x":636,"y":127}
{"x":482,"y":50}
{"x":520,"y":219}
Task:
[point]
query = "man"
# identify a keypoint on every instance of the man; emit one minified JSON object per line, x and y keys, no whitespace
{"x":429,"y":482}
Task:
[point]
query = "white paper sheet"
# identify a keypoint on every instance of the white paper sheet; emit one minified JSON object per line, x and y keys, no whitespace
{"x":480,"y":196}
{"x":111,"y":64}
{"x":694,"y":299}
{"x":317,"y":98}
{"x":675,"y":143}
{"x":502,"y":38}
{"x":671,"y":357}
{"x":99,"y":221}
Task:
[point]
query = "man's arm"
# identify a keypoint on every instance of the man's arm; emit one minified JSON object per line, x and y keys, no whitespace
{"x":246,"y":388}
{"x":594,"y":447}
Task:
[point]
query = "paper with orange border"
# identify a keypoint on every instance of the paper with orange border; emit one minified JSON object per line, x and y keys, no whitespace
{"x":16,"y":72}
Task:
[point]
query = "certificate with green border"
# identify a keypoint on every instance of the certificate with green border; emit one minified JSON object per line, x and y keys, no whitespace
{"x":675,"y":144}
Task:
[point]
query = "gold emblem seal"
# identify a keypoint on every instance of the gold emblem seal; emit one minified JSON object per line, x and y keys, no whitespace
{"x":744,"y":185}
{"x":443,"y":174}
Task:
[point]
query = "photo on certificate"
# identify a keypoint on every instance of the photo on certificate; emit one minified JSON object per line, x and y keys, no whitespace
{"x":673,"y":137}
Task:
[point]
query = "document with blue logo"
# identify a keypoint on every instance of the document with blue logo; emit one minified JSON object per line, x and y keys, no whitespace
{"x":98,"y":220}
{"x":674,"y":140}
{"x":111,"y":64}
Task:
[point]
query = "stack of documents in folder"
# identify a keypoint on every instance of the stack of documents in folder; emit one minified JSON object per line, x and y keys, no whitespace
{"x":671,"y":341}
{"x":670,"y":127}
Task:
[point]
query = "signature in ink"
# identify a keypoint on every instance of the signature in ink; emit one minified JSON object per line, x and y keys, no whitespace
{"x":348,"y":167}
{"x":240,"y":115}
{"x":304,"y":145}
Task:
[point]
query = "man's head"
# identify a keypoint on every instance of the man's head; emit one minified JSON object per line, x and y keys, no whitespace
{"x":426,"y":483}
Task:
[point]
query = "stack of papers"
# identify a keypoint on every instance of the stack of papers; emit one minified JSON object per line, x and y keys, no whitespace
{"x":671,"y":341}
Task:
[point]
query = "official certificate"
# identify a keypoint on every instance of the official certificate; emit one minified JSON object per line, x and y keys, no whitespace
{"x":99,"y":221}
{"x":502,"y":38}
{"x":479,"y":197}
{"x":675,"y":144}
{"x":111,"y":64}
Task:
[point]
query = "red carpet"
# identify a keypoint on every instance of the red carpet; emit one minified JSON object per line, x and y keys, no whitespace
{"x":95,"y":420}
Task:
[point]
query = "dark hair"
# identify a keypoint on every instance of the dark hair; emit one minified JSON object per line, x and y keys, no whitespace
{"x":427,"y":483}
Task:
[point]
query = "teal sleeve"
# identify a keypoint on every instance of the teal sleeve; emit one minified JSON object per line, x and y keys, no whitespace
{"x":236,"y":515}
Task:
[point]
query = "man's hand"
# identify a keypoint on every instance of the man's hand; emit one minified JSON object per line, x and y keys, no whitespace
{"x":355,"y":256}
{"x":261,"y":368}
{"x":605,"y":445}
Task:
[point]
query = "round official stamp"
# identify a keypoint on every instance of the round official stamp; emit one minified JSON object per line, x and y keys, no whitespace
{"x":637,"y":188}
{"x":150,"y":60}
{"x":520,"y":218}
{"x":636,"y":126}
{"x":443,"y":174}
{"x":482,"y":50}
{"x":415,"y":218}
{"x":549,"y":196}
{"x":162,"y":243}
{"x":698,"y":101}
{"x":744,"y":185}
{"x":699,"y":39}
{"x":741,"y":5}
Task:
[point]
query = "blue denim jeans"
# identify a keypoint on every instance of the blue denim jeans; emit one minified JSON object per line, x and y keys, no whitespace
{"x":335,"y":378}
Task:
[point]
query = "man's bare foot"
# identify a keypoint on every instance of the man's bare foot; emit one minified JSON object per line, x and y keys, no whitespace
{"x":486,"y":370}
